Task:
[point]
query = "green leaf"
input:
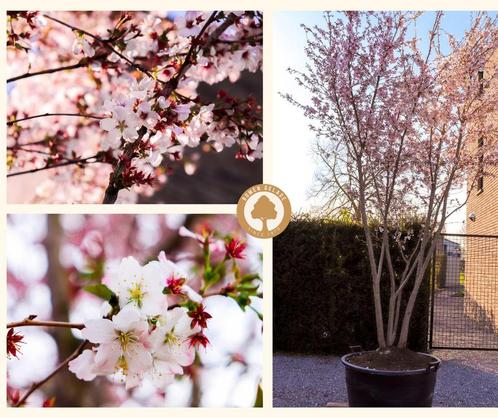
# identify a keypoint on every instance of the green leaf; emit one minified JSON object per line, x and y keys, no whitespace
{"x":101,"y":291}
{"x":249,"y":288}
{"x":260,"y":315}
{"x":213,"y":276}
{"x":250,"y":277}
{"x":258,"y":403}
{"x":243,"y":300}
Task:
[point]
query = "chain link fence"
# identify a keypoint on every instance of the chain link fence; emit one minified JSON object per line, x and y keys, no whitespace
{"x":464,"y":297}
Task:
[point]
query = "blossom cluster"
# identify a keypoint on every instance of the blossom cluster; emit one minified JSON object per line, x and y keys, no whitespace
{"x":132,"y":79}
{"x":141,"y":335}
{"x":144,"y":338}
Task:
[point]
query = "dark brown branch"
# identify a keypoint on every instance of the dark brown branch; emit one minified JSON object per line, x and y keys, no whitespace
{"x":35,"y":151}
{"x":32,"y":323}
{"x":80,"y":64}
{"x":61,"y":366}
{"x":62,"y":164}
{"x":171,"y":85}
{"x":81,"y":115}
{"x":111,"y":194}
{"x":28,"y":144}
{"x":112,"y":190}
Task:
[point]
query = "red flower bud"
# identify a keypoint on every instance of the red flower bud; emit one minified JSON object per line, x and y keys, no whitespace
{"x":198,"y":339}
{"x":199,"y":317}
{"x":14,"y":340}
{"x":234,"y":248}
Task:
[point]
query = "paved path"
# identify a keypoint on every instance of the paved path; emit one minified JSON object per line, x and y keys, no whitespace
{"x":466,"y":378}
{"x":453,"y":328}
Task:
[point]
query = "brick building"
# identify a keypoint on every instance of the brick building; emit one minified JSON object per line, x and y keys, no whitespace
{"x":481,"y":254}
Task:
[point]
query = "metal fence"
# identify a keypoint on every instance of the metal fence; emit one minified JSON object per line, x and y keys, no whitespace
{"x":464,"y":297}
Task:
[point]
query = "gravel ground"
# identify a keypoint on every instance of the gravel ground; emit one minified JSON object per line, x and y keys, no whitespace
{"x":465,"y":378}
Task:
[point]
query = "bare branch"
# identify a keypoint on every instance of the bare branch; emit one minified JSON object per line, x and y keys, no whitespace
{"x":89,"y":160}
{"x":28,"y":322}
{"x":61,"y":366}
{"x":81,"y":115}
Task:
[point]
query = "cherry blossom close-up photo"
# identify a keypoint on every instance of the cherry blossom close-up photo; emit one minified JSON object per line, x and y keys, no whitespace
{"x":133,"y":310}
{"x":133,"y":107}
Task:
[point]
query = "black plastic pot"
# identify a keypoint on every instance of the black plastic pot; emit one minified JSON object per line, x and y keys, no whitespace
{"x":371,"y":388}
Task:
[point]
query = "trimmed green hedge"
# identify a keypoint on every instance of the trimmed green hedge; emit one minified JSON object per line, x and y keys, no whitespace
{"x":322,"y":290}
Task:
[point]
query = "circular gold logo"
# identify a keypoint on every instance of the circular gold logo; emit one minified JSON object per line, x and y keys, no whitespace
{"x":264,"y":211}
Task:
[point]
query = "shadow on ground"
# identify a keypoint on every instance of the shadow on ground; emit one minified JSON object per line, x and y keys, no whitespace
{"x":465,"y":379}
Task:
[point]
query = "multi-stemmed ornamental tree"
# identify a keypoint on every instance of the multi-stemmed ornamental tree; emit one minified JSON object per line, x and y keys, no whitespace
{"x":402,"y":120}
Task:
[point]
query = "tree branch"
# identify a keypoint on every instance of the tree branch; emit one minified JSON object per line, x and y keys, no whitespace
{"x":61,"y":366}
{"x":28,"y":322}
{"x":171,"y":85}
{"x":63,"y":164}
{"x":104,"y":43}
{"x":42,"y":115}
{"x":80,"y":64}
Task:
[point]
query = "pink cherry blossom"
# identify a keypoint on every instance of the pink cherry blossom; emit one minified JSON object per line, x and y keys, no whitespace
{"x":129,"y":78}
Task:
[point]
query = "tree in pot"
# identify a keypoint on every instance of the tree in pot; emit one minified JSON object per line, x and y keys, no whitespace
{"x":401,"y":123}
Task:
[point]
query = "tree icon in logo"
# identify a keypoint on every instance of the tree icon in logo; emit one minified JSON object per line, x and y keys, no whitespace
{"x":264,"y":209}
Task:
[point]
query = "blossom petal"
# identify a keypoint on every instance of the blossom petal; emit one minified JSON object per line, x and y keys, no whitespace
{"x":130,"y":134}
{"x":126,"y":319}
{"x":138,"y":358}
{"x":161,"y":374}
{"x":99,"y":331}
{"x":108,"y":124}
{"x":112,"y":139}
{"x":133,"y":380}
{"x":106,"y":358}
{"x":122,"y":278}
{"x":83,"y":365}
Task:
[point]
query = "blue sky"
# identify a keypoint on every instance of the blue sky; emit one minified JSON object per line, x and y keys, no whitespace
{"x":293,"y":163}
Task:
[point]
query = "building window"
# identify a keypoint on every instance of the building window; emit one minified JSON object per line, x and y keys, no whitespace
{"x":480,"y":78}
{"x":480,"y":174}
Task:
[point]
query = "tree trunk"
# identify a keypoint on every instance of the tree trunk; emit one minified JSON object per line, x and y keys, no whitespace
{"x":265,"y":225}
{"x":65,"y":387}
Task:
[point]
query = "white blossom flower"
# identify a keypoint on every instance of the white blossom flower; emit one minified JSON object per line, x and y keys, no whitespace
{"x":163,"y":102}
{"x":160,"y":143}
{"x":142,"y":166}
{"x":83,"y":366}
{"x":216,"y":246}
{"x":189,"y":25}
{"x":224,"y":137}
{"x":172,"y":273}
{"x":105,"y":309}
{"x":171,"y":346}
{"x":140,"y":287}
{"x":80,"y":45}
{"x":141,"y":89}
{"x":113,"y":57}
{"x":248,"y":58}
{"x":147,"y":116}
{"x":206,"y":113}
{"x":183,"y":111}
{"x":256,"y":146}
{"x":197,"y":127}
{"x":122,"y":124}
{"x":122,"y":345}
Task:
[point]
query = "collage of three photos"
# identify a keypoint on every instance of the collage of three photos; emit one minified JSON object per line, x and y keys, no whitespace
{"x":381,"y":211}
